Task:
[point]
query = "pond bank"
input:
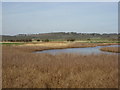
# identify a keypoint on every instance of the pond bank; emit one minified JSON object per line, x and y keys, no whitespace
{"x":50,"y":46}
{"x":80,"y":50}
{"x":111,"y":49}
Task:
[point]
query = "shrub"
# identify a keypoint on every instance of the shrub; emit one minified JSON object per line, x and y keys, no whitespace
{"x":46,"y":40}
{"x":71,"y":40}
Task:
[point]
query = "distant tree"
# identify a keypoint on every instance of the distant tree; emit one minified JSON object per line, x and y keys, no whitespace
{"x":73,"y":33}
{"x":38,"y":40}
{"x":30,"y":40}
{"x":71,"y":40}
{"x":11,"y":40}
{"x":89,"y":39}
{"x":46,"y":40}
{"x":5,"y":40}
{"x":17,"y":40}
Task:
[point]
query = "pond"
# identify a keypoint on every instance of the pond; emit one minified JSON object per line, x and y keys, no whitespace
{"x":86,"y":50}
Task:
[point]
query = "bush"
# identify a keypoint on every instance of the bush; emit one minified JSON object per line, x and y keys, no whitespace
{"x":89,"y":39}
{"x":46,"y":40}
{"x":38,"y":40}
{"x":71,"y":40}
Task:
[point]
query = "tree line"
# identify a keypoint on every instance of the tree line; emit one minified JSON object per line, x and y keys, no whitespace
{"x":30,"y":40}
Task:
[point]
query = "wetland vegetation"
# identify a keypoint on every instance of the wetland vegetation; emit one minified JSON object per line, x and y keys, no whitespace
{"x":23,"y":69}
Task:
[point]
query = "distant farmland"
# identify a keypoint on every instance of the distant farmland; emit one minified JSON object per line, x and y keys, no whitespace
{"x":61,"y":36}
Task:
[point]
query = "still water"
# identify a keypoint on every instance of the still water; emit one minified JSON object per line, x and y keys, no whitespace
{"x":87,"y":50}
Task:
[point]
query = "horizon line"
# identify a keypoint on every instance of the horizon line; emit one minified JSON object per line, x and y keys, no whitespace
{"x":60,"y":32}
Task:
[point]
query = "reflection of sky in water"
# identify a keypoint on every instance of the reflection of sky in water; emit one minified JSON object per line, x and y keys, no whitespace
{"x":88,"y":50}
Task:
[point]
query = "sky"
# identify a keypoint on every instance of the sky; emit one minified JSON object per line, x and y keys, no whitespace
{"x":46,"y":17}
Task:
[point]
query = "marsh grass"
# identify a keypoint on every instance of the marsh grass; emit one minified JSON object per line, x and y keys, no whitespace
{"x":23,"y":69}
{"x":111,"y":49}
{"x":11,"y":43}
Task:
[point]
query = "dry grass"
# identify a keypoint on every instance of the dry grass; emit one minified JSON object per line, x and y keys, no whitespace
{"x":23,"y":69}
{"x":56,"y":45}
{"x":111,"y":49}
{"x":60,"y":45}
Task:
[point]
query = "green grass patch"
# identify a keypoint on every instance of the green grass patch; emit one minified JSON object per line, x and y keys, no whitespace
{"x":11,"y":43}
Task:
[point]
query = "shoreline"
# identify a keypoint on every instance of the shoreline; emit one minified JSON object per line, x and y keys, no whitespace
{"x":110,"y":49}
{"x":33,"y":48}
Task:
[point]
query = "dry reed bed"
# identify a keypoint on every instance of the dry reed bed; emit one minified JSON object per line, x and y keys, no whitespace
{"x":60,"y":45}
{"x":22,"y":69}
{"x":111,"y":49}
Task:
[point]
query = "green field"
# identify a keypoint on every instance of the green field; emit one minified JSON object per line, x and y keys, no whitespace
{"x":11,"y":43}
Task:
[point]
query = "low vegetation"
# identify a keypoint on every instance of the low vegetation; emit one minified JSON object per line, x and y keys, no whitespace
{"x":60,"y":45}
{"x":11,"y":43}
{"x":111,"y":49}
{"x":23,"y":69}
{"x":63,"y":36}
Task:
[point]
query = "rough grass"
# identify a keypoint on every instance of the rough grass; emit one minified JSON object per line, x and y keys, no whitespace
{"x":111,"y":49}
{"x":67,"y":44}
{"x":11,"y":43}
{"x":23,"y":69}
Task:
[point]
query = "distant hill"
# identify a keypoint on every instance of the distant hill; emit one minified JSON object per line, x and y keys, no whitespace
{"x":62,"y":36}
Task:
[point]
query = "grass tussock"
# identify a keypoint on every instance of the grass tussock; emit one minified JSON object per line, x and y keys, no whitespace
{"x":111,"y":49}
{"x":23,"y":69}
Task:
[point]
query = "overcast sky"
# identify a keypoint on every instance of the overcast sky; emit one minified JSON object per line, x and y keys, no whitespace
{"x":45,"y":17}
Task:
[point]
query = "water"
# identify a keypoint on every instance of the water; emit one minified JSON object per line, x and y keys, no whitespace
{"x":87,"y":50}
